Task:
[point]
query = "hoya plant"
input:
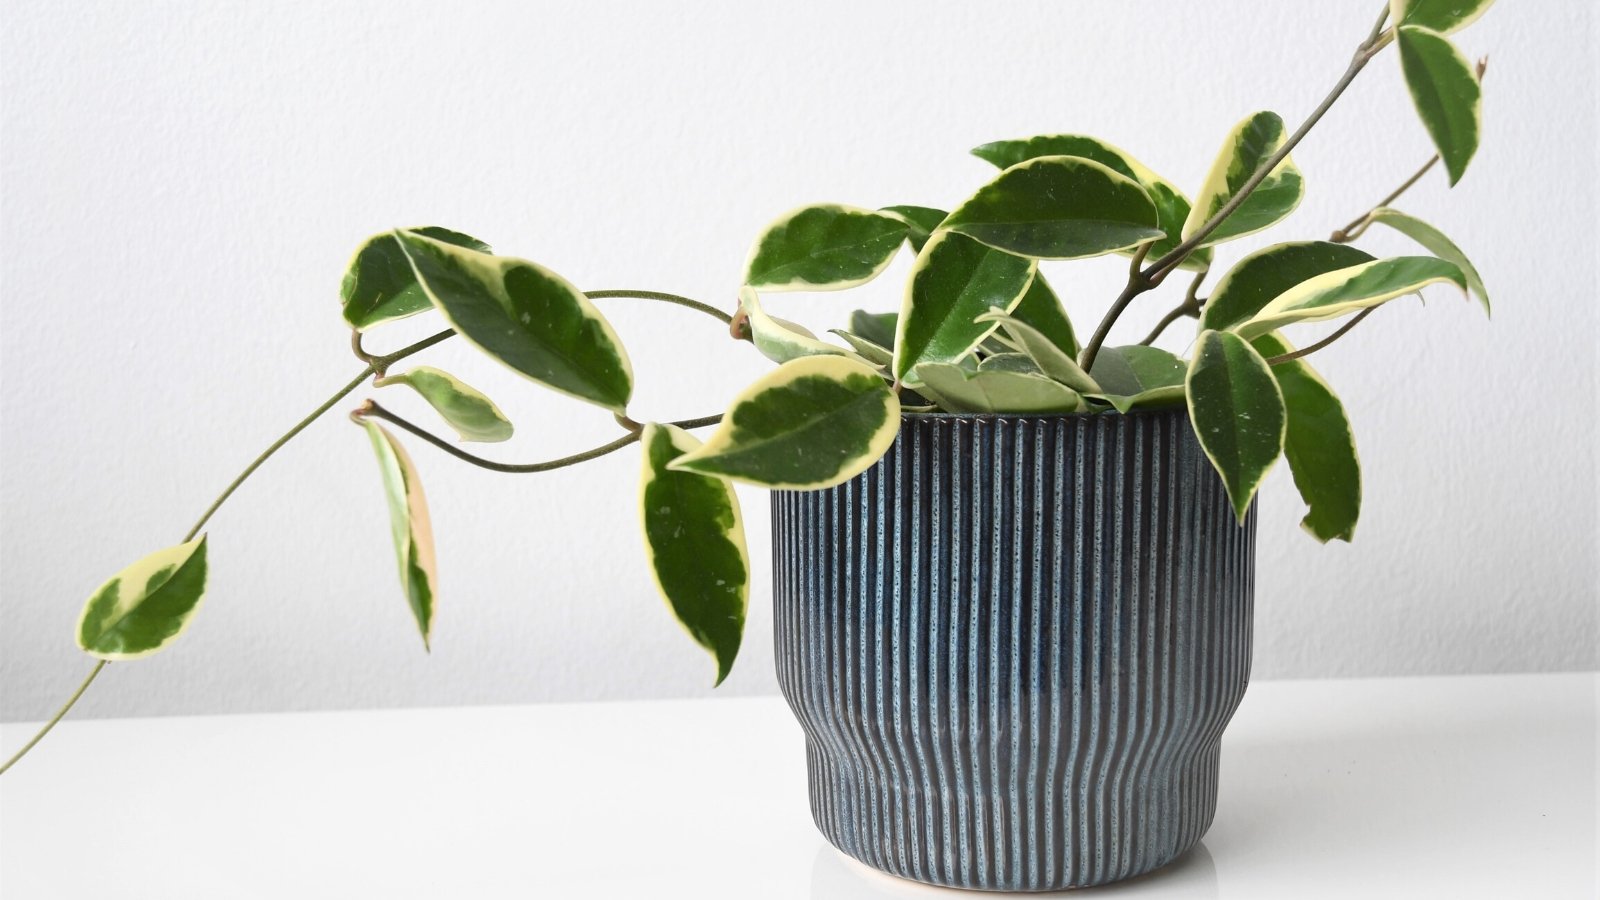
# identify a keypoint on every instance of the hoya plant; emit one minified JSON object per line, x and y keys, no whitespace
{"x":979,"y":331}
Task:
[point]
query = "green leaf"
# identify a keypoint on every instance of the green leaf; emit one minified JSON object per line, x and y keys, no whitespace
{"x":1058,"y":207}
{"x":878,"y":328}
{"x":146,"y":606}
{"x":994,"y":390}
{"x":1042,"y":309}
{"x":778,"y":340}
{"x":1444,"y":16}
{"x":1172,"y":207}
{"x":409,"y":526}
{"x":695,"y":543}
{"x":1139,"y":377}
{"x":955,"y":280}
{"x":1237,"y":412}
{"x":1046,"y":356}
{"x":379,"y":285}
{"x":1436,"y":243}
{"x":527,"y":317}
{"x":875,"y":354}
{"x":1344,"y":291}
{"x":1318,"y":444}
{"x":1010,"y":362}
{"x":812,"y":423}
{"x":824,"y":248}
{"x":473,"y":415}
{"x":1445,"y":90}
{"x":1248,"y":146}
{"x":921,"y":222}
{"x":1259,"y":278}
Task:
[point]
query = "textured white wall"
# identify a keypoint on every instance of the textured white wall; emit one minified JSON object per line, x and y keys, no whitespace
{"x":183,"y":184}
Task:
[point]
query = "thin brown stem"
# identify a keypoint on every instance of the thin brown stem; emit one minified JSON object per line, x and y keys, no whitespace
{"x":1189,"y":307}
{"x":1307,"y":351}
{"x":1138,"y":283}
{"x":371,"y":408}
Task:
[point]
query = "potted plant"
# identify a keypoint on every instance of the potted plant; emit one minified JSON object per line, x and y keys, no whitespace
{"x":1014,"y":569}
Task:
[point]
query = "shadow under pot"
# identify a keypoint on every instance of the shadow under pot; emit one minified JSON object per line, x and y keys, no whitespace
{"x":1013,"y":645}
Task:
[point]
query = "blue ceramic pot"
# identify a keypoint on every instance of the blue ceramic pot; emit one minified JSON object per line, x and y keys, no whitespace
{"x":1013,"y":645}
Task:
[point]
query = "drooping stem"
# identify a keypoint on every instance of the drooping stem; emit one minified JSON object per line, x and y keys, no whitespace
{"x":376,"y":411}
{"x":1307,"y":351}
{"x":706,"y":308}
{"x":1152,"y":274}
{"x":60,"y":714}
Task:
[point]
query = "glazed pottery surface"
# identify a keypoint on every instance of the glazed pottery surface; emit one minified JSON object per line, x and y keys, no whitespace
{"x":1013,"y":645}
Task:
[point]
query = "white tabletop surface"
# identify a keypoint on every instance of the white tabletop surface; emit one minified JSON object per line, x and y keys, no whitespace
{"x":1424,"y":787}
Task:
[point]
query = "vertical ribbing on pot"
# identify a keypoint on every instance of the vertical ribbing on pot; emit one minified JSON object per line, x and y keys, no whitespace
{"x":1013,"y":645}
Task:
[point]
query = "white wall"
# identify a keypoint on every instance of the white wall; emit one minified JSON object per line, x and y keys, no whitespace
{"x":183,"y":184}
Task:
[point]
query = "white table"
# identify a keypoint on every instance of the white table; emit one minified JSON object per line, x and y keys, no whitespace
{"x":1425,"y":787}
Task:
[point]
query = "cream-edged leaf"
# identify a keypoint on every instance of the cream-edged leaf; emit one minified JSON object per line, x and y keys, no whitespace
{"x":778,"y":340}
{"x":409,"y":526}
{"x":1249,"y":145}
{"x":1319,"y":445}
{"x":1444,"y":88}
{"x":694,"y":541}
{"x":994,"y":389}
{"x":527,"y":317}
{"x":1259,"y":278}
{"x":1347,"y":290}
{"x":1042,"y":309}
{"x":811,"y":423}
{"x":921,"y":222}
{"x":1058,"y":207}
{"x":1237,"y":411}
{"x":825,"y":247}
{"x":1443,"y":16}
{"x":955,"y":280}
{"x":1436,"y":243}
{"x":472,"y":414}
{"x":146,"y":606}
{"x":380,"y":286}
{"x":1050,"y":359}
{"x":875,"y":354}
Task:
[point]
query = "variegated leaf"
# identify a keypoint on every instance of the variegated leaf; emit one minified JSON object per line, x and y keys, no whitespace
{"x":825,"y":247}
{"x":811,"y":423}
{"x":1058,"y":207}
{"x":1443,"y":16}
{"x":1436,"y":243}
{"x":1139,"y":377}
{"x":778,"y":340}
{"x":955,"y":280}
{"x":1050,"y":359}
{"x":1347,"y":290}
{"x":1259,"y":278}
{"x":695,"y":544}
{"x":146,"y":606}
{"x":1319,"y":445}
{"x":1237,"y":412}
{"x":409,"y":526}
{"x":527,"y":317}
{"x":472,"y":414}
{"x":875,"y":354}
{"x":1445,"y":90}
{"x":1042,"y":309}
{"x":380,"y":286}
{"x":1247,"y":148}
{"x":921,"y":222}
{"x":994,"y":390}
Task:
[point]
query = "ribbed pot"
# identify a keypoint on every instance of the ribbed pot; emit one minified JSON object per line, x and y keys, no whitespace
{"x":1013,"y":645}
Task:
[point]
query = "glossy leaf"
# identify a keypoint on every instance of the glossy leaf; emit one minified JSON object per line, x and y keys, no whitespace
{"x":1344,"y":291}
{"x":1011,"y":362}
{"x":1058,"y":207}
{"x":1443,"y":16}
{"x":1436,"y":243}
{"x":994,"y":390}
{"x":875,"y":354}
{"x":1445,"y":90}
{"x":1172,"y":207}
{"x":811,"y":423}
{"x":824,"y":248}
{"x":1319,"y":445}
{"x":147,"y":605}
{"x":409,"y":527}
{"x":473,"y":415}
{"x":1259,"y":278}
{"x":778,"y":340}
{"x":921,"y":222}
{"x":1042,"y":309}
{"x":1050,"y":359}
{"x":1237,"y":412}
{"x":878,"y":328}
{"x":694,"y":541}
{"x":1248,"y":146}
{"x":527,"y":317}
{"x":1138,"y":377}
{"x":380,"y":286}
{"x":955,"y":280}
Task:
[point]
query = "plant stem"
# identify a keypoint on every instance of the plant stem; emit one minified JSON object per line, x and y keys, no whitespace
{"x":1307,"y":351}
{"x":371,"y":408}
{"x":1189,"y":307}
{"x":1151,"y":276}
{"x":60,"y":714}
{"x":706,"y":308}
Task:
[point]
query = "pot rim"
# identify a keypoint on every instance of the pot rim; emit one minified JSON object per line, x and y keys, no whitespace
{"x":1088,"y":414}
